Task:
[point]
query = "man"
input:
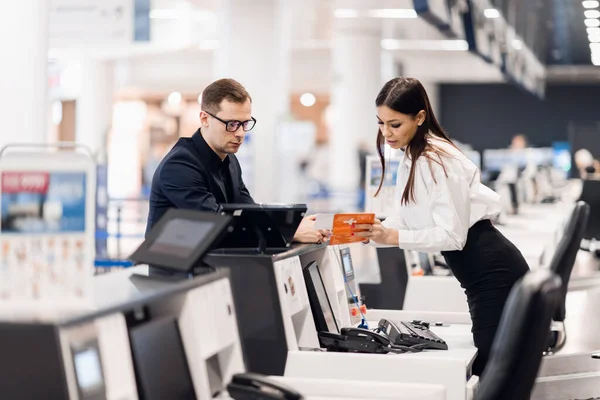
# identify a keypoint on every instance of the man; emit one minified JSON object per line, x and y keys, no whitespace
{"x":201,"y":172}
{"x":519,"y":142}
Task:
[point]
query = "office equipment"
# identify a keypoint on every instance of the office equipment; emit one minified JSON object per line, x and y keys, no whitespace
{"x":102,"y":352}
{"x":262,"y":227}
{"x":253,"y":386}
{"x":562,"y":264}
{"x":160,"y":361}
{"x":359,"y":340}
{"x":355,"y":306}
{"x":346,"y":258}
{"x":319,"y":300}
{"x":521,"y":338}
{"x":561,"y":156}
{"x":272,"y":303}
{"x":411,"y":334}
{"x":177,"y":243}
{"x":590,"y":193}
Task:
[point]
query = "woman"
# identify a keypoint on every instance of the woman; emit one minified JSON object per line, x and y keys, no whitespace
{"x":442,"y":206}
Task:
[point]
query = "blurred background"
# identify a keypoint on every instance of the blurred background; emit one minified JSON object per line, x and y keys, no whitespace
{"x":515,"y":82}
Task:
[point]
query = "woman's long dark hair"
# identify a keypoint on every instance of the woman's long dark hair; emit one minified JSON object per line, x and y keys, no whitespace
{"x":408,"y":96}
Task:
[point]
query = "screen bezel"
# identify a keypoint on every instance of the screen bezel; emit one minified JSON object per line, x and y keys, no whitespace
{"x":317,"y":309}
{"x":275,"y":238}
{"x":143,"y":255}
{"x":95,"y":392}
{"x":344,"y":251}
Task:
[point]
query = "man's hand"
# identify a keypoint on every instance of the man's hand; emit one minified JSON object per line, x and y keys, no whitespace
{"x":306,"y":232}
{"x":376,"y":232}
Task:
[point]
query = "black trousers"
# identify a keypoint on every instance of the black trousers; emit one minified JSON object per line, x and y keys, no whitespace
{"x":487,"y":268}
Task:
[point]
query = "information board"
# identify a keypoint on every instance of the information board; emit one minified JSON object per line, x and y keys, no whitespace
{"x":47,"y":229}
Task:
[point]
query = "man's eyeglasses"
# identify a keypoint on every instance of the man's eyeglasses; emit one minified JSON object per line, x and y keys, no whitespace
{"x":233,"y":125}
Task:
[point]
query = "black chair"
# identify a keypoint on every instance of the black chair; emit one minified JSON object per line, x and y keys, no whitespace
{"x":590,"y":193}
{"x":562,"y":264}
{"x":520,"y":341}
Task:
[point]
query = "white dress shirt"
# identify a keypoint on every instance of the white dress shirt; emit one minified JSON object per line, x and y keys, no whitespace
{"x":445,"y":208}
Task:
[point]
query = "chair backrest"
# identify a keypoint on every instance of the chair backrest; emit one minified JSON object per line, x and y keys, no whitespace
{"x":564,"y":257}
{"x":590,"y":193}
{"x":521,"y":338}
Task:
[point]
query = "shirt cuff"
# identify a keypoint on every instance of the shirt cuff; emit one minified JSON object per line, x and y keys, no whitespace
{"x":405,"y":237}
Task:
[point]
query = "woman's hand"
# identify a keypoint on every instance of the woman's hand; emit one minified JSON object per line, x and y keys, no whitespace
{"x":376,"y":232}
{"x":306,"y":232}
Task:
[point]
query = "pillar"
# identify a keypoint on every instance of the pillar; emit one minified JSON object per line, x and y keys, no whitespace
{"x":357,"y":78}
{"x":254,"y":49}
{"x":433,"y":92}
{"x":23,"y":104}
{"x":94,"y":105}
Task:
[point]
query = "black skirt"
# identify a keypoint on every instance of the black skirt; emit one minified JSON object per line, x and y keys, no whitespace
{"x":487,"y":268}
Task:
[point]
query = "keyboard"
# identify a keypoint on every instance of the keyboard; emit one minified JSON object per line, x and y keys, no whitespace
{"x":412,"y":333}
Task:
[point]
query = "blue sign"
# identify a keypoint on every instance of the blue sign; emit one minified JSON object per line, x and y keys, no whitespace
{"x":43,"y":202}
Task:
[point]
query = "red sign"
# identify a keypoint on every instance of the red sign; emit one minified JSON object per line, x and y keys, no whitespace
{"x":25,"y":182}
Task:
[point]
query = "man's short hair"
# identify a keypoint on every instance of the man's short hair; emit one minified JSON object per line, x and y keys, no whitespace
{"x":223,"y":89}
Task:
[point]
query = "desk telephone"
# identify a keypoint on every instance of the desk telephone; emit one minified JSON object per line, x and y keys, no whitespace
{"x":250,"y":386}
{"x":388,"y":337}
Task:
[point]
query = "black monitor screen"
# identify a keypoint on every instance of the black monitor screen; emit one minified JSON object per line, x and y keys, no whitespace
{"x":178,"y":242}
{"x":160,"y":363}
{"x":319,"y":300}
{"x":347,"y":263}
{"x":179,"y":237}
{"x":262,"y":226}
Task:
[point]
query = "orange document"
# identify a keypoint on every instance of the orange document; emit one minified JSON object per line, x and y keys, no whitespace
{"x":342,"y":227}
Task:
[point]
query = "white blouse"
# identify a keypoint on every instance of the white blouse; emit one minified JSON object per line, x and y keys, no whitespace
{"x":445,"y":208}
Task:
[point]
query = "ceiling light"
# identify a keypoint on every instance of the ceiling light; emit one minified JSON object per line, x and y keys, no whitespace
{"x":308,"y":99}
{"x":592,"y":14}
{"x":174,"y":98}
{"x":593,"y":31}
{"x":392,"y":13}
{"x":591,"y":23}
{"x":517,"y":44}
{"x":345,"y":13}
{"x":491,"y":13}
{"x":590,"y":4}
{"x":431,"y":45}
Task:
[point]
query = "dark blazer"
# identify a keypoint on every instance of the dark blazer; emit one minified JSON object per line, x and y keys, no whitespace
{"x":186,"y":178}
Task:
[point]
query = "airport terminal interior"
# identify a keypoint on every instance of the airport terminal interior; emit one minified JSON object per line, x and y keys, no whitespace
{"x":300,"y":199}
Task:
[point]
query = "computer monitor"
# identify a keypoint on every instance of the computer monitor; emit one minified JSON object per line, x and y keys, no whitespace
{"x":180,"y":239}
{"x":347,"y":263}
{"x":160,"y":362}
{"x":561,"y":156}
{"x":262,"y":227}
{"x":319,"y":300}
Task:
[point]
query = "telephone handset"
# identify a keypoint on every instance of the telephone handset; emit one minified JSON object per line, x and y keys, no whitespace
{"x":249,"y":386}
{"x":379,"y":338}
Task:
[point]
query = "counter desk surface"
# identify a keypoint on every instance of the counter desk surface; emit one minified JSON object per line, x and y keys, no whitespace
{"x":124,"y":289}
